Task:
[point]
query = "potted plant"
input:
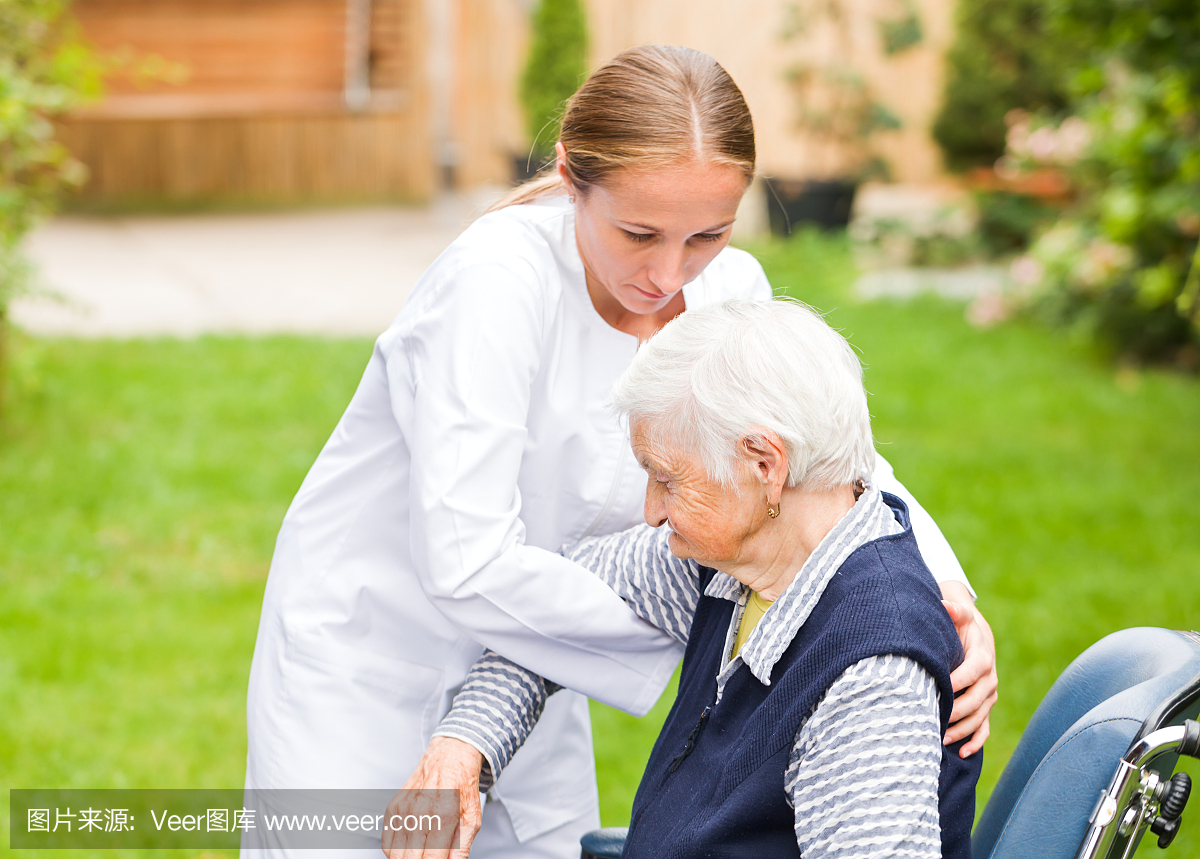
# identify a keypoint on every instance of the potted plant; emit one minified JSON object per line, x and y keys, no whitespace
{"x":555,"y":68}
{"x":837,"y":110}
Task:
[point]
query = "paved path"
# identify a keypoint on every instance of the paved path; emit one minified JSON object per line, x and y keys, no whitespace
{"x":960,"y":284}
{"x":341,"y":272}
{"x":338,"y":272}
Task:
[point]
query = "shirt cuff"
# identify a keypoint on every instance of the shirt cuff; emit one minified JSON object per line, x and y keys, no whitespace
{"x":495,"y":711}
{"x":481,"y":744}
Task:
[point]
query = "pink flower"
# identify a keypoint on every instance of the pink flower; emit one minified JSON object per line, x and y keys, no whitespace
{"x":1026,"y":271}
{"x":1043,"y":144}
{"x":1074,"y":136}
{"x":987,"y":310}
{"x":1017,"y":139}
{"x":1007,"y":168}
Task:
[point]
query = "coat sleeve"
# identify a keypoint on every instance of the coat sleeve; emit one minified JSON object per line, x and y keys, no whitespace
{"x":460,"y":378}
{"x":935,"y":549}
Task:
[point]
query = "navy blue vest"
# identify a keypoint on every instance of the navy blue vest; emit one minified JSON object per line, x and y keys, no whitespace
{"x":714,"y":784}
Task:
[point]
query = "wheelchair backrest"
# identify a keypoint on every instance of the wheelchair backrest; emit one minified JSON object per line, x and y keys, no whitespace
{"x":1071,"y":747}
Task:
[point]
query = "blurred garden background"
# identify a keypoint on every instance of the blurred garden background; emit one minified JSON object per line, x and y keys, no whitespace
{"x":996,"y":201}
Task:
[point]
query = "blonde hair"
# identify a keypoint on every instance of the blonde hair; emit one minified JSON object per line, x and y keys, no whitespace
{"x":648,"y":107}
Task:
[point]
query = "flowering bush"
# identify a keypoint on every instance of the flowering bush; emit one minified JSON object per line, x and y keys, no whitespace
{"x":1004,"y":56}
{"x":1033,"y":141}
{"x":1124,"y":260}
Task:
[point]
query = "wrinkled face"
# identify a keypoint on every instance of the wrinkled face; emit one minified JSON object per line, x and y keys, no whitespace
{"x":711,"y":523}
{"x":646,"y":233}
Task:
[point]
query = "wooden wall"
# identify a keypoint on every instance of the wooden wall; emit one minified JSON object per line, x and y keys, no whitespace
{"x":290,"y":156}
{"x":220,"y":46}
{"x":259,"y":108}
{"x":491,"y":40}
{"x":246,"y":99}
{"x":746,"y":37}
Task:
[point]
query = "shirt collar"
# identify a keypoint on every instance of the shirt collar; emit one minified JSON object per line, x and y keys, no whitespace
{"x":869,"y":519}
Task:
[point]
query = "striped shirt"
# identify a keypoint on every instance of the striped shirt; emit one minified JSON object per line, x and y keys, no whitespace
{"x":863,"y":773}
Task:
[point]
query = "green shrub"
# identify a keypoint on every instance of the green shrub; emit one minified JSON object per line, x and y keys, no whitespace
{"x":1124,"y":261}
{"x":1004,"y":56}
{"x":1008,"y":223}
{"x":556,"y":67}
{"x":44,"y":69}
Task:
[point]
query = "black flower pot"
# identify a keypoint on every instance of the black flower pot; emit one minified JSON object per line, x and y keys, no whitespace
{"x":792,"y":203}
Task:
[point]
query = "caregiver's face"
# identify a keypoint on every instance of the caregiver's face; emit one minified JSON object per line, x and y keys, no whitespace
{"x":711,"y":523}
{"x":645,"y":233}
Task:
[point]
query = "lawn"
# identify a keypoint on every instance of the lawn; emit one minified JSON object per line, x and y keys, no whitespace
{"x":142,"y":483}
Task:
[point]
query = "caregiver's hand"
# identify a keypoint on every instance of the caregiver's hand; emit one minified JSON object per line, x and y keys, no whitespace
{"x":976,"y":677}
{"x":448,"y":764}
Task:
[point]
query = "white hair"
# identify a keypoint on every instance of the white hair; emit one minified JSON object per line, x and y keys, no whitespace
{"x":717,"y":375}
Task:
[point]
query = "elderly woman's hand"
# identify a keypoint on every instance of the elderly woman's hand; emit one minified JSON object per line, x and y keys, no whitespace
{"x":447,"y":764}
{"x":976,"y":677}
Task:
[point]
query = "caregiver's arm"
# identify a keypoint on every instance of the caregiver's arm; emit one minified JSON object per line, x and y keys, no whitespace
{"x":975,"y":680}
{"x":500,"y":701}
{"x":461,"y":374}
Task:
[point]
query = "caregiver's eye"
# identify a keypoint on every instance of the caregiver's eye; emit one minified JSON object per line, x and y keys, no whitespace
{"x":638,"y":237}
{"x":710,"y":237}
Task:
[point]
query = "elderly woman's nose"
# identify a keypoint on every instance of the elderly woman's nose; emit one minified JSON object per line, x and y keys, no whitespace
{"x":656,"y":508}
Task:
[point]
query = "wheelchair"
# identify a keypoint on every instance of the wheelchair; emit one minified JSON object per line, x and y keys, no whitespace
{"x":1095,"y":768}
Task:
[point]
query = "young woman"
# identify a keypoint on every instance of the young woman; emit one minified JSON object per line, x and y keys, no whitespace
{"x":479,"y":442}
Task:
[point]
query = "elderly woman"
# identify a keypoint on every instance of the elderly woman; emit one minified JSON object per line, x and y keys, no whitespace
{"x":815,"y":689}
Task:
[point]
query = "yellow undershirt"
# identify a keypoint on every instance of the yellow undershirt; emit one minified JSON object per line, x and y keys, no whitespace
{"x":756,"y":607}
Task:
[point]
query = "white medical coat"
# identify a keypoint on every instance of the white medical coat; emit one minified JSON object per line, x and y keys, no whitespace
{"x":478,"y":442}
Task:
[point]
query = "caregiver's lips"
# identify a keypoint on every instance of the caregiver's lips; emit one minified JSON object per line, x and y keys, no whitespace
{"x":653,"y":296}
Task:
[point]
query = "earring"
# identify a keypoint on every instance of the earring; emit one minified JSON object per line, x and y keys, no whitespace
{"x":571,"y":199}
{"x":772,"y":511}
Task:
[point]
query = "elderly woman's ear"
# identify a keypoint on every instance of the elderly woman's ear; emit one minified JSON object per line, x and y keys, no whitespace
{"x":768,"y":459}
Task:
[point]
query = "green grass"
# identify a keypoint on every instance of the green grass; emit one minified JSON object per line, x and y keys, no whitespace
{"x":141,"y":486}
{"x":142,"y":483}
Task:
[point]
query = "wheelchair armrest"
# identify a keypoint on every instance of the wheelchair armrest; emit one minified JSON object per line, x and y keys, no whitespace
{"x":604,"y":843}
